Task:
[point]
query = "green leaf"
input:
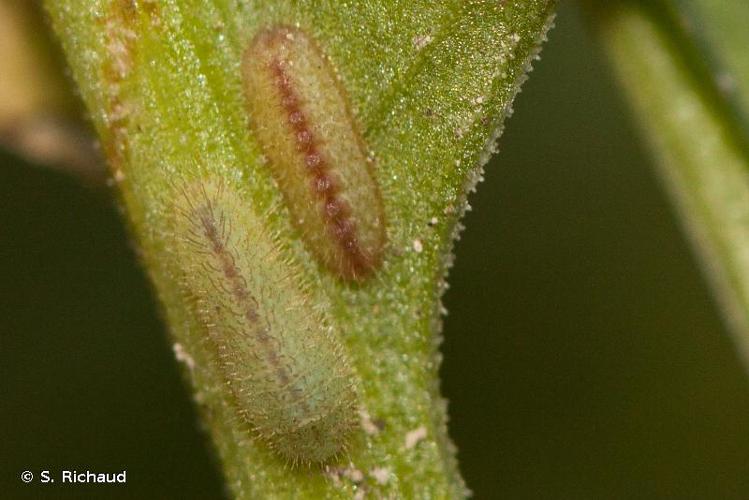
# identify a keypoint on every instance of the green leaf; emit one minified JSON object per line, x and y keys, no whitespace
{"x":430,"y":84}
{"x":684,"y":66}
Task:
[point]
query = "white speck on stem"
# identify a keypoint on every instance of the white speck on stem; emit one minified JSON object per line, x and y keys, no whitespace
{"x":380,"y":474}
{"x":421,"y":41}
{"x":354,"y":474}
{"x":415,"y":436}
{"x":182,"y":356}
{"x":367,"y":424}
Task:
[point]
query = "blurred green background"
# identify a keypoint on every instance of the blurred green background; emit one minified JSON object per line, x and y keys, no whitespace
{"x":584,"y":357}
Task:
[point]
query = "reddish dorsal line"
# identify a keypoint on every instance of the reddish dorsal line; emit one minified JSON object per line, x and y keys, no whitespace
{"x":335,"y":211}
{"x":238,"y":289}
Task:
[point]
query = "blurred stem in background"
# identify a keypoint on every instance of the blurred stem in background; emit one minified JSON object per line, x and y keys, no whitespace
{"x":684,"y":67}
{"x":40,"y":116}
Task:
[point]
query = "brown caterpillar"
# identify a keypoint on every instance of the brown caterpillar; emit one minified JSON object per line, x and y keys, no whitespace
{"x":286,"y":368}
{"x":301,"y":118}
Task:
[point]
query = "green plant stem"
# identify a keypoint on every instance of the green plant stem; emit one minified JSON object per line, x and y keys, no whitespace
{"x":430,"y":84}
{"x":697,"y":141}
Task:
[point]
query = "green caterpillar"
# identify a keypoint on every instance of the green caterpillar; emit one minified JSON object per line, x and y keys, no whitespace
{"x":286,"y":367}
